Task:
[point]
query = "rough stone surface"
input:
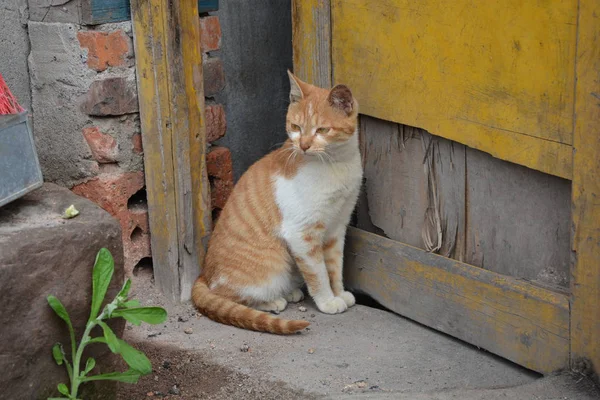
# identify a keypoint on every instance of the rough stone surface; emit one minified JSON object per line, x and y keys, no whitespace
{"x":216,"y":124}
{"x":43,"y":254}
{"x":214,"y":76}
{"x":256,"y":53}
{"x":115,"y":192}
{"x":220,"y":174}
{"x":14,"y":47}
{"x":60,"y":79}
{"x":111,"y":96}
{"x":55,"y":11}
{"x":102,"y":146}
{"x":105,"y":49}
{"x":210,"y":33}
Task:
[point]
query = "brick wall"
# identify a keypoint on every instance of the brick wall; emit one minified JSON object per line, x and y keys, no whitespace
{"x":86,"y":121}
{"x":218,"y":159}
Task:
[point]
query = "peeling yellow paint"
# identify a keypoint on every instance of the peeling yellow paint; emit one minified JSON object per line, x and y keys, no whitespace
{"x":494,"y":75}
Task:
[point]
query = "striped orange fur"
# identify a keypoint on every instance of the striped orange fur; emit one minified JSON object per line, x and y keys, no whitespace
{"x":269,"y":241}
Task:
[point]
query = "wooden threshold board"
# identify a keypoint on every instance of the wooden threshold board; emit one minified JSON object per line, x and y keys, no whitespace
{"x":514,"y":319}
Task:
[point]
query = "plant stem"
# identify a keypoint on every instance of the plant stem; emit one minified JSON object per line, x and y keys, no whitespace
{"x":77,"y":359}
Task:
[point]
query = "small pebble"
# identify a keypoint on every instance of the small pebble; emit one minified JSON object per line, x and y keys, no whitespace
{"x":312,"y":315}
{"x":302,"y":309}
{"x":166,"y":364}
{"x":150,"y":394}
{"x":175,"y":390}
{"x":156,"y":378}
{"x":189,"y":331}
{"x":181,"y":318}
{"x":153,"y":334}
{"x":310,"y":351}
{"x":245,"y":348}
{"x":361,"y":384}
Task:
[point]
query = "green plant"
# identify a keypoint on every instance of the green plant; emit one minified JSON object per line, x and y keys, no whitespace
{"x":120,"y":307}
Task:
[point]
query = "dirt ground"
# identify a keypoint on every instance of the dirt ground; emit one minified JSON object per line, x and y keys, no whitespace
{"x":181,"y":375}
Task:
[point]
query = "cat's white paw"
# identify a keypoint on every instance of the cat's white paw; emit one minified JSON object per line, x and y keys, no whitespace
{"x":348,"y":298}
{"x":296,"y":296}
{"x":335,"y":305}
{"x":276,"y":305}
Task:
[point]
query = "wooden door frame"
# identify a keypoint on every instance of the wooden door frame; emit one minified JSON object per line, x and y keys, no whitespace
{"x":312,"y":27}
{"x":171,"y":95}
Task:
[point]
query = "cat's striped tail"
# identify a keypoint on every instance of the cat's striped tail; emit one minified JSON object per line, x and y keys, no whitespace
{"x":228,"y":312}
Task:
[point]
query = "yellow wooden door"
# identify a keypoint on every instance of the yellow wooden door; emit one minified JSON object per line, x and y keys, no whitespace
{"x":518,"y":80}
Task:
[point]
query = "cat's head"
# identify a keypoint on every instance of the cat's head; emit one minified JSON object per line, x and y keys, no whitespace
{"x":320,"y":119}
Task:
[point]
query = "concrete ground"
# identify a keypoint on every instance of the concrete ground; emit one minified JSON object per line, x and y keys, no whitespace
{"x":364,"y":353}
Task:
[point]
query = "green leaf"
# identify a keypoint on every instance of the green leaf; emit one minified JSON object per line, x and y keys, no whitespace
{"x":57,"y":353}
{"x":131,"y":304}
{"x":59,"y":309}
{"x":104,"y":268}
{"x":63,"y":389}
{"x":125,"y":290}
{"x":151,"y":315}
{"x":110,"y":337}
{"x":129,"y":376}
{"x":57,"y":398}
{"x":136,"y":360}
{"x":89,"y":365}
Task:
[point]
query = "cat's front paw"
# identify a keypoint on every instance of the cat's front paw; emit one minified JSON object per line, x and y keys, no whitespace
{"x":348,"y":298}
{"x":335,"y":305}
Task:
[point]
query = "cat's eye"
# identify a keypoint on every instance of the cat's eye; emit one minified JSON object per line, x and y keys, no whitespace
{"x":295,"y":128}
{"x":322,"y":131}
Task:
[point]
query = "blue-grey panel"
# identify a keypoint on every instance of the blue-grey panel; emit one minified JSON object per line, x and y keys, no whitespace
{"x":19,"y":166}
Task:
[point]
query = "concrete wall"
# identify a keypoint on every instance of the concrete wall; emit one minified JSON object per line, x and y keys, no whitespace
{"x":14,"y":48}
{"x":256,"y":51}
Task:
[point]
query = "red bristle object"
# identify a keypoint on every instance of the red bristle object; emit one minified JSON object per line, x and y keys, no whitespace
{"x":8,"y":102}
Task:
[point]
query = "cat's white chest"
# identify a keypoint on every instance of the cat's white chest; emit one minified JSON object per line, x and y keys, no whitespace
{"x":319,"y":192}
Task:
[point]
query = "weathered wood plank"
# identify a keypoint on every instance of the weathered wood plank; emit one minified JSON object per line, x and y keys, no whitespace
{"x":511,"y":318}
{"x":189,"y":147}
{"x":585,"y":283}
{"x":415,"y":187}
{"x":168,"y":61}
{"x":311,"y":41}
{"x":412,"y":63}
{"x":518,"y":220}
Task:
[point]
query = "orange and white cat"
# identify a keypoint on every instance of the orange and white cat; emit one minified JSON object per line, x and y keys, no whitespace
{"x":285,"y":221}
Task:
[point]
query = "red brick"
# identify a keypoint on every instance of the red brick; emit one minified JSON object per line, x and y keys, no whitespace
{"x":214,"y":76}
{"x":219,"y":192}
{"x":111,"y":96}
{"x":220,"y":173}
{"x":105,"y":49}
{"x":136,"y":139}
{"x":102,"y":146}
{"x":112,"y":192}
{"x":218,"y":163}
{"x":216,"y":124}
{"x":210,"y":33}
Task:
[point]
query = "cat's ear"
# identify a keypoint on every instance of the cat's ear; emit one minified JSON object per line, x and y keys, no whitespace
{"x":295,"y":90}
{"x":340,"y":98}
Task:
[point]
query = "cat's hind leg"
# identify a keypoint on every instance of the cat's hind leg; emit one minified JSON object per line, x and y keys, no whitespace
{"x":295,"y":296}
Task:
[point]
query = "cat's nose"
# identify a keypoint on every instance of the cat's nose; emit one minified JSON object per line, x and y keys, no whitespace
{"x":305,"y":143}
{"x":305,"y":146}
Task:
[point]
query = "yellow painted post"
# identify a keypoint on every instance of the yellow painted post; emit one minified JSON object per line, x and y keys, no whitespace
{"x":585,"y":279}
{"x":169,"y":72}
{"x":311,"y":24}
